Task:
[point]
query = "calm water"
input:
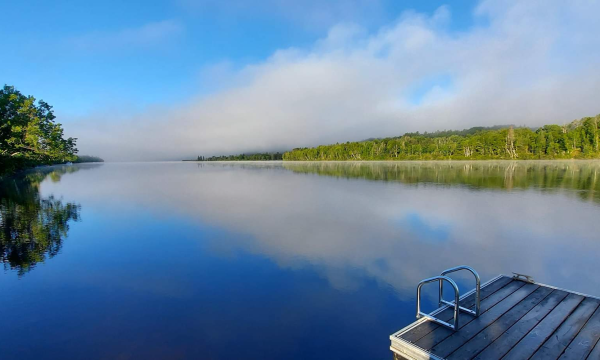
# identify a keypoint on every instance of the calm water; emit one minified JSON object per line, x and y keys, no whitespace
{"x":271,"y":260}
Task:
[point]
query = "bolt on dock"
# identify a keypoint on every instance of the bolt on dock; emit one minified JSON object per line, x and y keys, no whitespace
{"x":509,"y":317}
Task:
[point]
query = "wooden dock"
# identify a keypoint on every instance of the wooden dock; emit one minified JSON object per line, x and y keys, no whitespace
{"x":518,"y":320}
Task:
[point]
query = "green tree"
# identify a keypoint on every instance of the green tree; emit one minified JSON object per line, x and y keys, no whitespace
{"x":29,"y":134}
{"x":580,"y":139}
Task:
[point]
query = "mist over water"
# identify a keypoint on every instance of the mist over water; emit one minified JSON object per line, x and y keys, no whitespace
{"x":294,"y":260}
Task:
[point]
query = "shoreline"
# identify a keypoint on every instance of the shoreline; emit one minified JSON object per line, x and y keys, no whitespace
{"x":390,"y":161}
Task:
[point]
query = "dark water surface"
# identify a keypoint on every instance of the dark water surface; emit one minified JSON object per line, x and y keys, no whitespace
{"x":271,"y":260}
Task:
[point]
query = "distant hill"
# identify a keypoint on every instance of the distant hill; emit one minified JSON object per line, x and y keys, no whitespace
{"x":442,"y":133}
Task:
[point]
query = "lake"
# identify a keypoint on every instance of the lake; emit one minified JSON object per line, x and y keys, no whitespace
{"x":272,"y":260}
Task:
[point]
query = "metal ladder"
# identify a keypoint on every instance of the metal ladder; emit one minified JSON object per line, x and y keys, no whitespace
{"x":455,"y":304}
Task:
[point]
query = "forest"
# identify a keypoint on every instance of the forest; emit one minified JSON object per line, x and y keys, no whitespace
{"x":578,"y":140}
{"x":29,"y":135}
{"x":244,"y":157}
{"x":87,"y":159}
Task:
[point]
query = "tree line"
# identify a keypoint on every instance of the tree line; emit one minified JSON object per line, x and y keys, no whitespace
{"x":29,"y":135}
{"x":244,"y":157}
{"x":87,"y":159}
{"x":578,"y":140}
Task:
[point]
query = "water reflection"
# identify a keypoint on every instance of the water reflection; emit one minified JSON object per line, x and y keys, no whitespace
{"x":294,"y":260}
{"x":32,"y":228}
{"x":579,"y":177}
{"x":384,"y":229}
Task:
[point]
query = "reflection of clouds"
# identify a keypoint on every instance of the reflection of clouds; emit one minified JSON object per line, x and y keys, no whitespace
{"x":418,"y":227}
{"x":395,"y":233}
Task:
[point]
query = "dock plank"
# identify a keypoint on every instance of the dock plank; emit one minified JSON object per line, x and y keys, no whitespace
{"x":480,"y":341}
{"x":518,"y":320}
{"x":469,"y":302}
{"x":500,"y":346}
{"x":566,"y":332}
{"x":542,"y":331}
{"x":433,"y":338}
{"x":584,"y":342}
{"x":595,"y":354}
{"x":458,"y":338}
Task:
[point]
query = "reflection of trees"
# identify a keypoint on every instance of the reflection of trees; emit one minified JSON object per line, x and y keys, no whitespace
{"x":32,"y":228}
{"x":579,"y":177}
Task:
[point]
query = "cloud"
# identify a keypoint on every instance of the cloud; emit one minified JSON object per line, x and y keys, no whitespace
{"x":531,"y":63}
{"x":146,"y":35}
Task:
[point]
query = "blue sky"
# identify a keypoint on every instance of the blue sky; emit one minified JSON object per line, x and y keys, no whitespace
{"x":68,"y":52}
{"x":206,"y":76}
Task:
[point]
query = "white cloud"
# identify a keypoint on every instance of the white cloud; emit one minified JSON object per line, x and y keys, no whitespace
{"x":146,"y":35}
{"x":532,"y":63}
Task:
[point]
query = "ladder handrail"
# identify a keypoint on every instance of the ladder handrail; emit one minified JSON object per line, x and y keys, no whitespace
{"x":441,"y":280}
{"x":477,"y":290}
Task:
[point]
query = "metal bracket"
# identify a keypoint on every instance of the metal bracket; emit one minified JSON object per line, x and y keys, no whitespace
{"x":523,"y":277}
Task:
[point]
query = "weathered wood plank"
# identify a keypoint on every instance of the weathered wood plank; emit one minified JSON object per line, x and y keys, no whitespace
{"x":566,"y":332}
{"x":458,"y":338}
{"x":540,"y":333}
{"x":513,"y":335}
{"x":446,"y":315}
{"x":584,"y":342}
{"x":480,"y":341}
{"x":433,"y":338}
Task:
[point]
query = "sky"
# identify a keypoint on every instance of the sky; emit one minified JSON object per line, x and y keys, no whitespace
{"x":166,"y":80}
